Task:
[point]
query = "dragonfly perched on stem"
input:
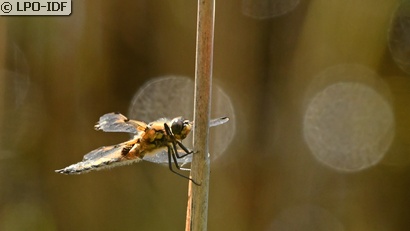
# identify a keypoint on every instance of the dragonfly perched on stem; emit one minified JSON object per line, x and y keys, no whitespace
{"x":159,"y":142}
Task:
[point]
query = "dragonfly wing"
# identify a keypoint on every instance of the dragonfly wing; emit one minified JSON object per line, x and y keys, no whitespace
{"x":160,"y":156}
{"x":100,"y":158}
{"x":218,"y":121}
{"x":116,"y":122}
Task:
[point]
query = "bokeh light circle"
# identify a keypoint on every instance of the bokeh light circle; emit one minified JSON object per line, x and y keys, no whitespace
{"x":348,"y":125}
{"x":173,"y":96}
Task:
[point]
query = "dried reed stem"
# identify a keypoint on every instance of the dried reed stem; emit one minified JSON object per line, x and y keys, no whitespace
{"x":197,"y":211}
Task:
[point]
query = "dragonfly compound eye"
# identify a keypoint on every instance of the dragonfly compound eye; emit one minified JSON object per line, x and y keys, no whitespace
{"x":177,"y":125}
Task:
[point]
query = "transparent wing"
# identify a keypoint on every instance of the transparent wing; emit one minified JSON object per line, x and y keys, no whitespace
{"x":218,"y":121}
{"x":98,"y":159}
{"x":116,"y":122}
{"x":160,"y":156}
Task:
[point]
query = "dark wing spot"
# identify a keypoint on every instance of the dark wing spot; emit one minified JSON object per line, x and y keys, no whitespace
{"x":126,"y":150}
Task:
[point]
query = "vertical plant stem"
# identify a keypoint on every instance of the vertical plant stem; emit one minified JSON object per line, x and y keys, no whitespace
{"x":197,"y":211}
{"x":3,"y":39}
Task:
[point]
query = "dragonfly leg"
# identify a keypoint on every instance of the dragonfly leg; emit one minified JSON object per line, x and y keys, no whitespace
{"x":174,"y":157}
{"x":184,"y":148}
{"x":171,"y":153}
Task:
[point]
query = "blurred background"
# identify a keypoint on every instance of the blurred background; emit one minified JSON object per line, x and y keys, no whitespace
{"x":317,"y":90}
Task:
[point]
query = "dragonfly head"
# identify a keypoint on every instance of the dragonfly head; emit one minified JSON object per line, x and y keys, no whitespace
{"x":181,"y":127}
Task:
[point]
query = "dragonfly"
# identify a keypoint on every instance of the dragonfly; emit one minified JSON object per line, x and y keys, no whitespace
{"x":159,"y":142}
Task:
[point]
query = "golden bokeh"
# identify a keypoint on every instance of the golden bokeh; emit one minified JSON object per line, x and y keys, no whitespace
{"x":59,"y":74}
